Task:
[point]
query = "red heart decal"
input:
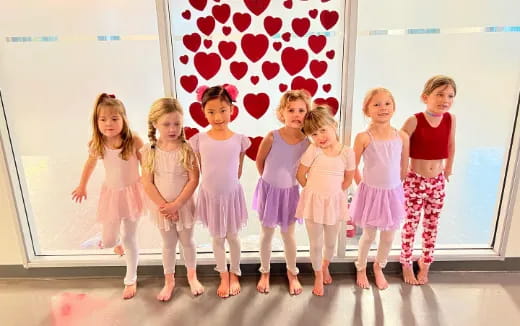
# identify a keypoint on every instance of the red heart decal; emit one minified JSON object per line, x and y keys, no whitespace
{"x":270,"y":69}
{"x":254,"y":79}
{"x":253,"y":149}
{"x":301,"y":83}
{"x":294,"y":60}
{"x":238,"y":69}
{"x":327,"y":87}
{"x":329,"y":18}
{"x":317,"y":43}
{"x":198,"y":4}
{"x":221,"y":13}
{"x":189,"y":83}
{"x":206,"y":24}
{"x":300,"y":26}
{"x":207,"y":64}
{"x":272,"y":25}
{"x":287,"y":4}
{"x":198,"y":115}
{"x":227,"y":49}
{"x":226,"y":30}
{"x":207,"y":43}
{"x":256,"y":104}
{"x":234,"y":114}
{"x":254,"y":46}
{"x":186,"y":14}
{"x":184,"y":59}
{"x":241,"y":21}
{"x":286,"y":36}
{"x":325,"y":0}
{"x":190,"y":132}
{"x":318,"y":68}
{"x":282,"y":87}
{"x":331,"y":102}
{"x":192,"y":41}
{"x":313,"y":13}
{"x":277,"y":45}
{"x":330,"y":54}
{"x":257,"y":6}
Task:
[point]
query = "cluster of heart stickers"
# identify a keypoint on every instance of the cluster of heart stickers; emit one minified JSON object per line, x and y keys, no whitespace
{"x":253,"y":42}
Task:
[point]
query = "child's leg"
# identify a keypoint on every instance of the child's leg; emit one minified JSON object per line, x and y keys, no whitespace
{"x":315,"y":233}
{"x":331,"y":237}
{"x":129,"y":240}
{"x":365,"y":241}
{"x":290,"y":260}
{"x":189,"y":250}
{"x":385,"y":245}
{"x":219,"y":250}
{"x":169,"y":257}
{"x":110,"y":234}
{"x":266,"y":238}
{"x":234,"y":270}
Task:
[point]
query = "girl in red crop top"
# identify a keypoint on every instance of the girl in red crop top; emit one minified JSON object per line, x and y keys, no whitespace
{"x":432,"y":149}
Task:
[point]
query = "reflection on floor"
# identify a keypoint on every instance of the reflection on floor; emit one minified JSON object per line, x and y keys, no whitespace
{"x":452,"y":298}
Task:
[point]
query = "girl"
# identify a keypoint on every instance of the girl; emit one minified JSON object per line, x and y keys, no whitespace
{"x":221,"y":204}
{"x":379,"y":201}
{"x":432,"y":149}
{"x":326,"y":171}
{"x":120,"y":201}
{"x":170,"y":176}
{"x":277,"y":193}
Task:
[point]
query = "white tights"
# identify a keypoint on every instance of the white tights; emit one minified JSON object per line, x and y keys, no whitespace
{"x":128,"y":232}
{"x":322,"y":239}
{"x":169,"y":249}
{"x":367,"y":238}
{"x":219,"y":250}
{"x":266,"y":238}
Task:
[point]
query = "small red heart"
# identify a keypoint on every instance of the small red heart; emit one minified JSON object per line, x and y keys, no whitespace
{"x":286,"y":36}
{"x":300,"y":26}
{"x":190,"y":132}
{"x":198,"y":4}
{"x":254,"y":46}
{"x":329,"y":18}
{"x":238,"y":69}
{"x":241,"y":21}
{"x":318,"y":68}
{"x":301,"y":83}
{"x":227,"y":49}
{"x":330,"y":54}
{"x":317,"y":43}
{"x":191,"y":41}
{"x":184,"y":59}
{"x":198,"y":115}
{"x":256,"y":104}
{"x":254,"y":79}
{"x":206,"y":24}
{"x":282,"y":87}
{"x":287,"y":4}
{"x":272,"y":25}
{"x":325,"y":0}
{"x":207,"y":43}
{"x":226,"y":30}
{"x":327,"y":87}
{"x":277,"y":45}
{"x":294,"y":60}
{"x":189,"y":83}
{"x":270,"y":69}
{"x":186,"y":14}
{"x":313,"y":13}
{"x":257,"y":6}
{"x":207,"y":64}
{"x":331,"y":102}
{"x":253,"y":149}
{"x":221,"y":13}
{"x":234,"y":114}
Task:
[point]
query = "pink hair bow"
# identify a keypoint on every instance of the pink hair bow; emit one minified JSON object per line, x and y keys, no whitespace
{"x":200,"y":91}
{"x":232,"y":91}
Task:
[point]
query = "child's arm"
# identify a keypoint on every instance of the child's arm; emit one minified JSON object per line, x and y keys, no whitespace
{"x":138,"y":144}
{"x":80,"y":192}
{"x":360,"y":143}
{"x":409,"y":125}
{"x":347,"y":179}
{"x":263,"y":151}
{"x":350,"y":167}
{"x":186,"y":193}
{"x":451,"y":151}
{"x":241,"y":163}
{"x":301,"y":174}
{"x":405,"y":154}
{"x":151,"y":190}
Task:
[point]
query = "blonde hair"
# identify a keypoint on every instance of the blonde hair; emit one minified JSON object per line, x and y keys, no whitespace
{"x":97,"y":142}
{"x":319,"y":117}
{"x":373,"y":92}
{"x":436,"y":82}
{"x":159,"y":108}
{"x":290,"y":96}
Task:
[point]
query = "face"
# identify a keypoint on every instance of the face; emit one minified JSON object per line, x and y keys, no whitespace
{"x":325,"y":137}
{"x":294,"y":114}
{"x":169,"y":126}
{"x":110,"y":122}
{"x":440,"y":100}
{"x":380,"y":108}
{"x":218,"y":113}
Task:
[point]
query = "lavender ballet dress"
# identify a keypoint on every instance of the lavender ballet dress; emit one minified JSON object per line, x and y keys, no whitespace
{"x":379,"y":201}
{"x":221,"y":205}
{"x":277,"y":194}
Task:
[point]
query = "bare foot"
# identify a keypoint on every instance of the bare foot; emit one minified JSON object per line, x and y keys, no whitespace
{"x":422,"y":276}
{"x":381,"y":282}
{"x":167,"y":290}
{"x":408,"y":275}
{"x":361,"y":279}
{"x":263,"y":284}
{"x":223,"y":288}
{"x":119,"y":250}
{"x":318,"y":284}
{"x":295,"y":287}
{"x":195,"y":286}
{"x":327,"y":279}
{"x":129,"y":291}
{"x":234,"y":284}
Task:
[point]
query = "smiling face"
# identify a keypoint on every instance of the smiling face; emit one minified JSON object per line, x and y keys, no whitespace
{"x":380,"y":108}
{"x":218,"y":113}
{"x":325,"y":137}
{"x":440,"y":99}
{"x":294,"y":114}
{"x":169,"y":126}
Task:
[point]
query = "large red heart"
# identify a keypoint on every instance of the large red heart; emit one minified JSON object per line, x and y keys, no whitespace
{"x":206,"y":24}
{"x":189,"y":83}
{"x":272,"y":25}
{"x":301,"y":83}
{"x":253,"y":149}
{"x":257,"y":6}
{"x":270,"y":69}
{"x":238,"y":69}
{"x":241,"y":21}
{"x":191,"y":41}
{"x":190,"y":132}
{"x":331,"y":102}
{"x":234,"y":114}
{"x":227,"y":49}
{"x":329,"y":18}
{"x":199,"y":4}
{"x":318,"y":68}
{"x":294,"y":60}
{"x":300,"y":26}
{"x":317,"y":43}
{"x":207,"y":64}
{"x":198,"y":115}
{"x":186,"y":14}
{"x":221,"y":13}
{"x":254,"y":46}
{"x":256,"y":104}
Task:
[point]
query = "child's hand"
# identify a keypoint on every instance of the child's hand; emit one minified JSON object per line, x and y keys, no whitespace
{"x":170,"y":211}
{"x":447,"y":174}
{"x":79,"y":194}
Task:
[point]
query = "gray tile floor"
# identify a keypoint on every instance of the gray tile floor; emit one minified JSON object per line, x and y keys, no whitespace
{"x":452,"y":298}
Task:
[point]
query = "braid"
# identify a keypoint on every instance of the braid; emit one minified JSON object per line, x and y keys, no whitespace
{"x":187,"y":155}
{"x":149,"y":161}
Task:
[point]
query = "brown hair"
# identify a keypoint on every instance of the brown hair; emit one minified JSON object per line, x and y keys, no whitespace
{"x":290,"y":96}
{"x":373,"y":92}
{"x":436,"y":82}
{"x":216,"y":92}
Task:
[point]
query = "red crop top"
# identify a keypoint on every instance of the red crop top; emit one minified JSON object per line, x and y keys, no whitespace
{"x":429,"y":143}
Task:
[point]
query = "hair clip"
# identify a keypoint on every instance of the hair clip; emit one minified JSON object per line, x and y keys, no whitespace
{"x":231,"y":90}
{"x":111,"y":95}
{"x":200,"y":92}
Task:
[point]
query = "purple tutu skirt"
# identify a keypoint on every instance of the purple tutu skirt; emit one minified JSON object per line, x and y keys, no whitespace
{"x":276,"y":206}
{"x":378,"y":208}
